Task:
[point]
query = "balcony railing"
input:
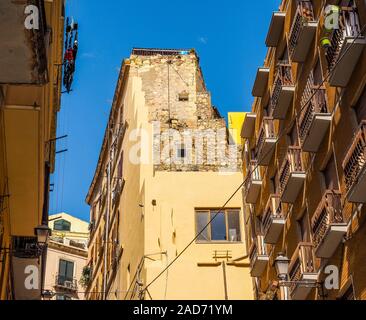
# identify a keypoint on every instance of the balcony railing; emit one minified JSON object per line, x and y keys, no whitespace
{"x":66,"y":283}
{"x":302,"y":270}
{"x":282,"y":91}
{"x":117,"y":191}
{"x":292,"y":175}
{"x":266,"y":141}
{"x":302,"y":31}
{"x":328,"y":225}
{"x":274,"y":220}
{"x":315,"y":118}
{"x":258,"y":256}
{"x":253,"y":183}
{"x":354,"y":167}
{"x":346,"y":42}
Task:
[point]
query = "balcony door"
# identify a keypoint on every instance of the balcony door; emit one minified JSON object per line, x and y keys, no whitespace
{"x":330,"y":175}
{"x":304,"y":228}
{"x":65,"y":271}
{"x":360,"y":108}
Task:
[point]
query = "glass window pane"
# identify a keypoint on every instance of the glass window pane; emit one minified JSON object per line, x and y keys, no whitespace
{"x":62,"y":225}
{"x":234,"y":226}
{"x":201,"y":222}
{"x":218,"y":227}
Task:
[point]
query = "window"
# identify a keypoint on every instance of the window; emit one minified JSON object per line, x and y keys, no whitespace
{"x":62,"y":297}
{"x":65,"y":271}
{"x":293,"y":136}
{"x":274,"y":186}
{"x":304,"y":228}
{"x":183,"y":96}
{"x":360,"y":108}
{"x":318,"y":74}
{"x":181,"y":152}
{"x":62,"y":225}
{"x":225,"y":227}
{"x":330,"y":175}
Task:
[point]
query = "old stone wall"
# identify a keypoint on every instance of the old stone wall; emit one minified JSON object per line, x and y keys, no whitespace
{"x":191,"y":135}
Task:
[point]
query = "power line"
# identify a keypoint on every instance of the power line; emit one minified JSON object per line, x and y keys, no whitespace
{"x":283,"y":133}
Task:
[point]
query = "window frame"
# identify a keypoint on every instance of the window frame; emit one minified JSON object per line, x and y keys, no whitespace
{"x":68,"y":223}
{"x":209,"y":229}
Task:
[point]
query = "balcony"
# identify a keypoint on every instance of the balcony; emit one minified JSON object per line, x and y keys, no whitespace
{"x":248,"y":125}
{"x":282,"y":92}
{"x":66,"y":283}
{"x":261,"y":82}
{"x":302,"y":271}
{"x":292,"y":175}
{"x":23,"y":57}
{"x":275,"y":29}
{"x":274,"y":220}
{"x":117,"y":191}
{"x":266,"y":142}
{"x":315,"y":118}
{"x":328,"y":225}
{"x":253,"y":183}
{"x":258,"y":257}
{"x":345,"y":49}
{"x":302,"y":32}
{"x":354,"y":166}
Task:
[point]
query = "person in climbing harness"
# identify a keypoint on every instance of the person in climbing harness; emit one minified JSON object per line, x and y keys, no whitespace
{"x":71,"y":49}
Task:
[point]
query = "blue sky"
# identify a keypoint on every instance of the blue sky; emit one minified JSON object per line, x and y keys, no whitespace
{"x":228,"y":36}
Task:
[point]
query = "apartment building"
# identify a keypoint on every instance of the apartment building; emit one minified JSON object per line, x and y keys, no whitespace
{"x":165,"y":169}
{"x":305,"y":154}
{"x":31,"y":49}
{"x":67,"y":256}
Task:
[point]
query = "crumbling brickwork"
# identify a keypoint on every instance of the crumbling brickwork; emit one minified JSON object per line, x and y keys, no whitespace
{"x":178,"y":102}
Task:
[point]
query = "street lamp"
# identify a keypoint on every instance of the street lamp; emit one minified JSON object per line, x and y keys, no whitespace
{"x":42,"y":232}
{"x":282,"y":266}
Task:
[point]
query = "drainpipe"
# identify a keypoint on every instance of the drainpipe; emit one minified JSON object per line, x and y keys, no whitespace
{"x":106,"y":240}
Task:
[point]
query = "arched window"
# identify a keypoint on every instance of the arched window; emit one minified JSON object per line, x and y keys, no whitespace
{"x":62,"y":225}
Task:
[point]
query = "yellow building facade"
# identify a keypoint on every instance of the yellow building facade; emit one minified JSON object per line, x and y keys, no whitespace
{"x":304,"y":154}
{"x":30,"y":93}
{"x":149,"y":200}
{"x":67,"y":256}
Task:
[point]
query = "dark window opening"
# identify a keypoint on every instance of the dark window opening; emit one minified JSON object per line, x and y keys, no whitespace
{"x":181,"y":153}
{"x":360,"y":108}
{"x":183,"y":96}
{"x":62,"y":225}
{"x":330,"y":175}
{"x":304,"y":228}
{"x":65,"y":271}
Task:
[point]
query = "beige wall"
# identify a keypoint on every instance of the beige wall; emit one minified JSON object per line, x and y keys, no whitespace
{"x":55,"y":253}
{"x":61,"y":249}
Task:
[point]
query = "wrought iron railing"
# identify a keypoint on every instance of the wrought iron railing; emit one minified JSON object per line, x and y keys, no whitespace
{"x":356,"y":157}
{"x":292,"y":164}
{"x":313,"y":101}
{"x":266,"y":131}
{"x":303,"y":261}
{"x":254,"y":174}
{"x":304,"y":13}
{"x":328,"y":212}
{"x":283,"y":78}
{"x":66,"y":282}
{"x":274,"y":210}
{"x":349,"y":26}
{"x":257,"y":249}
